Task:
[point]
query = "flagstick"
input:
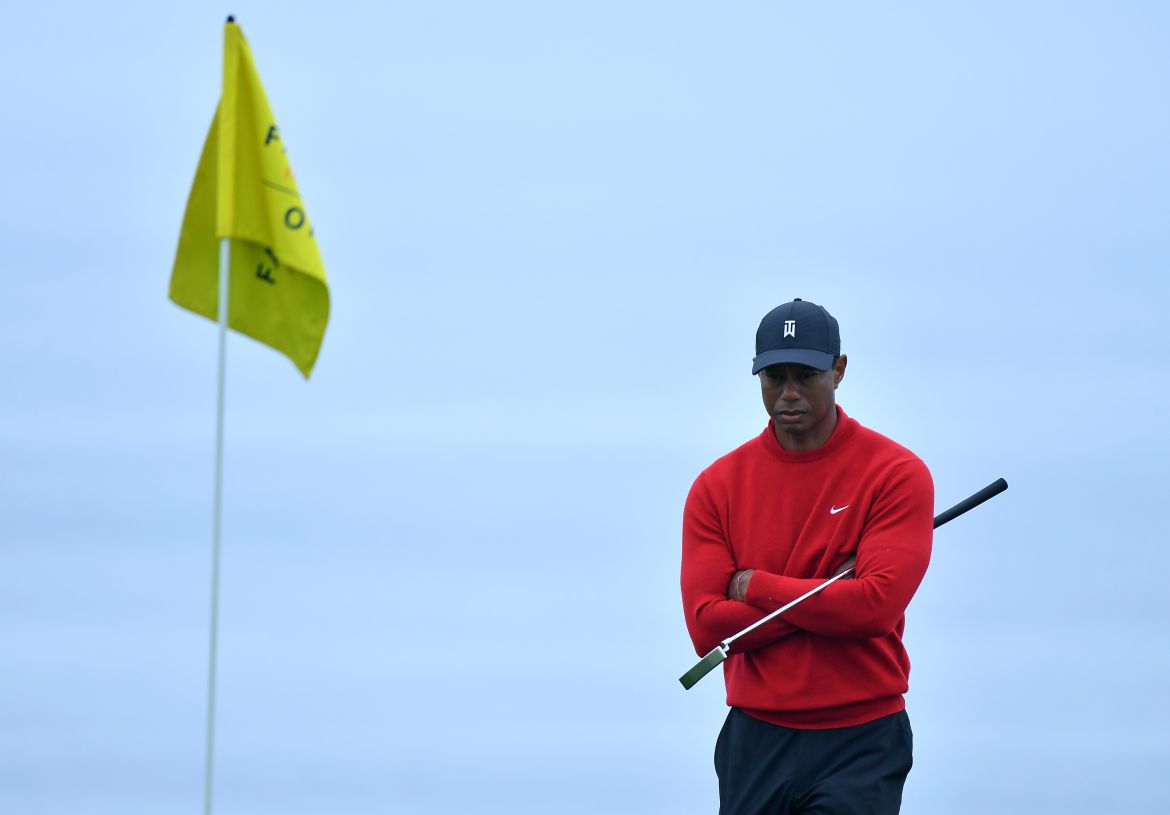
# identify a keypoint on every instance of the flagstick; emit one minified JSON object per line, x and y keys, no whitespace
{"x":225,"y":259}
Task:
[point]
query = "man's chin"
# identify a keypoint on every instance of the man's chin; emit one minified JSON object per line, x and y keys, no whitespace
{"x":792,"y":431}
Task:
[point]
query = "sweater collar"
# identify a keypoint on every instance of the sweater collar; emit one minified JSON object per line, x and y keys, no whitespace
{"x":846,"y":428}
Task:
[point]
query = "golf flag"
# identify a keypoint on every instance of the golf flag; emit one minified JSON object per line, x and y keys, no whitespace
{"x":244,"y":190}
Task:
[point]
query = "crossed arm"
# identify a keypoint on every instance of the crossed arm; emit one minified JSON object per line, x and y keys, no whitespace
{"x":723,"y":597}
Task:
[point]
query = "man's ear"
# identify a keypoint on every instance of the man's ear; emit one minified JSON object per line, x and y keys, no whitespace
{"x":839,"y":370}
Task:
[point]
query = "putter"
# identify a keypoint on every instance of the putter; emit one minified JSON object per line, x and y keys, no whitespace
{"x":719,"y":652}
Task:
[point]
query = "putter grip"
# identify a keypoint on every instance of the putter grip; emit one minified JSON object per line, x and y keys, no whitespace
{"x":990,"y":491}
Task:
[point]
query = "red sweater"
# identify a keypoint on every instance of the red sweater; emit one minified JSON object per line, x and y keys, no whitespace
{"x":836,"y":659}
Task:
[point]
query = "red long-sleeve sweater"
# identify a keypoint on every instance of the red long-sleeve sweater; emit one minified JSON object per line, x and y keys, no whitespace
{"x":836,"y":659}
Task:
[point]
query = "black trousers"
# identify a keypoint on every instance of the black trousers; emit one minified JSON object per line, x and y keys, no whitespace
{"x":765,"y":769}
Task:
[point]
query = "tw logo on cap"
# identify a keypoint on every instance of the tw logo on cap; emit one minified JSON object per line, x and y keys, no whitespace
{"x":790,"y":328}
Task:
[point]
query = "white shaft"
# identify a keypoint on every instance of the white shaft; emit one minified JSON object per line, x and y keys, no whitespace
{"x":225,"y":259}
{"x":727,"y":642}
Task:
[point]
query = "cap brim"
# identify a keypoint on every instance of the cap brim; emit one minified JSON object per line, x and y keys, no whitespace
{"x":801,"y":356}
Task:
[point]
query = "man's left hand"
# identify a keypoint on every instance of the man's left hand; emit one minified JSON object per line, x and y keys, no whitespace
{"x":737,"y":588}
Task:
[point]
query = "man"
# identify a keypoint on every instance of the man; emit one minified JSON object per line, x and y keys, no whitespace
{"x":817,"y":721}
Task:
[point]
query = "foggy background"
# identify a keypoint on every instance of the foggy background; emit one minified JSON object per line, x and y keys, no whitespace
{"x":450,"y":564}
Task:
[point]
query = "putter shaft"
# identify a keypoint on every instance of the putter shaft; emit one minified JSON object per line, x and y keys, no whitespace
{"x":719,"y":653}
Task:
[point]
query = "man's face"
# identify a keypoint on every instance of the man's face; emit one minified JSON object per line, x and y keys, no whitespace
{"x":802,"y":402}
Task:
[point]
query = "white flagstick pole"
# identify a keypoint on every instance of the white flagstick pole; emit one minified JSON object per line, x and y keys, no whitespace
{"x":225,"y":261}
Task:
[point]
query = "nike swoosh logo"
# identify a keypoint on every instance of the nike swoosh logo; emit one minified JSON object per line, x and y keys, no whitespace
{"x":835,"y":510}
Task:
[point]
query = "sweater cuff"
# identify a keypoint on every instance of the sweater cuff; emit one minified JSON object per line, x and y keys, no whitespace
{"x":767,"y":591}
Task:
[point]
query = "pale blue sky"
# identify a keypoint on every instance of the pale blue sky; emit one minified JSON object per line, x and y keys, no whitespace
{"x":450,"y":559}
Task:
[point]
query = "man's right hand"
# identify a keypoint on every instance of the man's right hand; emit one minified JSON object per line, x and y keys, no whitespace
{"x":849,"y":564}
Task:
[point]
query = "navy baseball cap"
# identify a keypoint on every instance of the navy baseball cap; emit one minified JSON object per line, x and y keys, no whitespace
{"x":799,"y":332}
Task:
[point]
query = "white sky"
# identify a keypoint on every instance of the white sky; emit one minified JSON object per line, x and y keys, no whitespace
{"x":450,"y":564}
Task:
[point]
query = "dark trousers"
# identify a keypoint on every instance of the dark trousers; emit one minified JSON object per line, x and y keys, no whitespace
{"x":765,"y":769}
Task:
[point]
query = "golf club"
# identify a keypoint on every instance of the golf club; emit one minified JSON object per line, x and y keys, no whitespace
{"x":720,"y":651}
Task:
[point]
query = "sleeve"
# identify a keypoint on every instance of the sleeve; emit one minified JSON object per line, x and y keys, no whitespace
{"x":707,"y":566}
{"x":892,"y":556}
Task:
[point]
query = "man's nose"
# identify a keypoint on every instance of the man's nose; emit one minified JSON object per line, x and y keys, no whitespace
{"x":790,"y":392}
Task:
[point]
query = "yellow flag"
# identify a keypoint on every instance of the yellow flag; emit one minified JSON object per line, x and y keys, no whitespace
{"x":244,"y":190}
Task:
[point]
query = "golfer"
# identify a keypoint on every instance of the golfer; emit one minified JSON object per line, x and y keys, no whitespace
{"x":817,"y":721}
